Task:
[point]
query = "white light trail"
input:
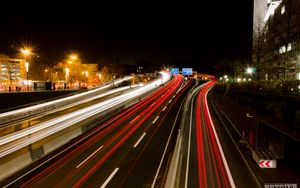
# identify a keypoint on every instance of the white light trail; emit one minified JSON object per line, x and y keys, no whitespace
{"x":35,"y":107}
{"x":17,"y":140}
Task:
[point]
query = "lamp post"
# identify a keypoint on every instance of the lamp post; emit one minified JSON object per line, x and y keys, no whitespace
{"x":26,"y":52}
{"x":27,"y":69}
{"x":114,"y":77}
{"x":67,"y":76}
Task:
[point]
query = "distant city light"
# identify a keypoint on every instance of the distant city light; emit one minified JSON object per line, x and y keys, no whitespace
{"x":250,"y":70}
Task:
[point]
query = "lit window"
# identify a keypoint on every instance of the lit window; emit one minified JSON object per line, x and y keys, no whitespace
{"x":283,"y":9}
{"x":289,"y":47}
{"x":298,"y":75}
{"x":282,"y":49}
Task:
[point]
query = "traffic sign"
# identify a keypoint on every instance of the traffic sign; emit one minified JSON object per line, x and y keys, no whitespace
{"x":267,"y":164}
{"x":174,"y":70}
{"x":187,"y":71}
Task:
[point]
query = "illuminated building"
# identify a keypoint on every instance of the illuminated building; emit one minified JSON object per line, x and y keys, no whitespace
{"x":276,"y":39}
{"x":12,"y":72}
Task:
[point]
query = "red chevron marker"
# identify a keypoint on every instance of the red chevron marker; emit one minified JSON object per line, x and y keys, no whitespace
{"x":267,"y":163}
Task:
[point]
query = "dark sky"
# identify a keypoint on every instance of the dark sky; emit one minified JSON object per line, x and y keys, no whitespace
{"x":200,"y":32}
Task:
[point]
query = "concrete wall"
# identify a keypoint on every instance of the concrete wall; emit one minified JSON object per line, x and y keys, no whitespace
{"x":13,"y":100}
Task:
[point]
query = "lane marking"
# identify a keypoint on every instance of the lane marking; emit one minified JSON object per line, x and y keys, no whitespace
{"x":170,"y":101}
{"x":137,"y":143}
{"x":163,"y":156}
{"x":235,"y":144}
{"x":155,"y":119}
{"x":218,"y":142}
{"x":174,"y":96}
{"x":164,"y":108}
{"x":134,"y":119}
{"x":109,"y":178}
{"x":89,"y":157}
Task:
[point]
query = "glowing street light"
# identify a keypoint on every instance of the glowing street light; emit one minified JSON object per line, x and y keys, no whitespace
{"x":73,"y":57}
{"x":250,"y":70}
{"x":25,"y":52}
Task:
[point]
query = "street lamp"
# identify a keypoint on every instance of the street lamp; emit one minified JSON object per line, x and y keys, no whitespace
{"x":26,"y":52}
{"x":67,"y":76}
{"x":114,"y":77}
{"x":250,"y":70}
{"x":27,"y":69}
{"x":73,"y":57}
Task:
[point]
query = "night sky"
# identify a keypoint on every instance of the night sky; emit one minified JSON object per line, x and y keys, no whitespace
{"x":198,"y":34}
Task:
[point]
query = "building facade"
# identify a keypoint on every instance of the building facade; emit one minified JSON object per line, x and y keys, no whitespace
{"x":276,"y":41}
{"x":12,"y":72}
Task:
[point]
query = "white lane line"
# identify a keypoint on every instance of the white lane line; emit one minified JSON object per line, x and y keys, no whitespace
{"x":170,"y":101}
{"x":218,"y":143}
{"x":174,"y":96}
{"x":155,"y":119}
{"x":137,"y":143}
{"x":164,"y":108}
{"x":89,"y":157}
{"x":109,"y":178}
{"x":134,"y":119}
{"x":163,"y":156}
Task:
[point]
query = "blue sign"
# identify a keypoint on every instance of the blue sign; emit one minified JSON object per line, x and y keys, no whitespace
{"x":174,"y":71}
{"x":187,"y":71}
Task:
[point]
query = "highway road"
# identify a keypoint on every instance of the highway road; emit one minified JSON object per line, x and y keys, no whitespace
{"x":126,"y":150}
{"x":209,"y":157}
{"x":20,"y":139}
